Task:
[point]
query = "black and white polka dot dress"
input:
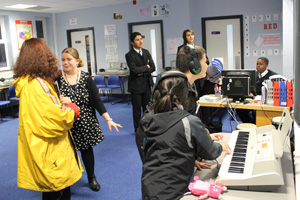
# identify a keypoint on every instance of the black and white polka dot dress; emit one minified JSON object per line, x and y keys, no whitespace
{"x":86,"y":129}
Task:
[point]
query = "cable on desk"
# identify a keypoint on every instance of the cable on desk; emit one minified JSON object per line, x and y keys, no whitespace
{"x":232,"y":112}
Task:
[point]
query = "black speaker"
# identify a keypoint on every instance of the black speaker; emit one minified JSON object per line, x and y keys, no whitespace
{"x":195,"y":65}
{"x":164,"y":75}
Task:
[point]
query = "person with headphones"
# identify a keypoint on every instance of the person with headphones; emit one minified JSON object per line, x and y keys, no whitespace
{"x":203,"y":86}
{"x":174,"y":138}
{"x":192,"y":62}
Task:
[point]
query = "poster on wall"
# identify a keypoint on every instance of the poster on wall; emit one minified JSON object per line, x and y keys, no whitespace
{"x":144,"y":11}
{"x":172,"y":45}
{"x":24,"y":31}
{"x":118,"y":15}
{"x":154,"y":10}
{"x":111,"y":45}
{"x":273,"y":39}
{"x":165,"y":9}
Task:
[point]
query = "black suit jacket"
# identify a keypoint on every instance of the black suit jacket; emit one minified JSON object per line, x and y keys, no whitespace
{"x":259,"y":81}
{"x":140,"y":75}
{"x":179,"y":47}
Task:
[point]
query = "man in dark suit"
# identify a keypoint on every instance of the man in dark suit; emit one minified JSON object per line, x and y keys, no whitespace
{"x":262,"y":74}
{"x":141,"y":66}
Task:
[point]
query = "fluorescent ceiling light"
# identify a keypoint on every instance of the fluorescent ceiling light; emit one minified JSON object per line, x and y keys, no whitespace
{"x":21,"y":6}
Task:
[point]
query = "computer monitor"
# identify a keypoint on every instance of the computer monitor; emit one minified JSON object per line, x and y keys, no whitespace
{"x":243,"y":83}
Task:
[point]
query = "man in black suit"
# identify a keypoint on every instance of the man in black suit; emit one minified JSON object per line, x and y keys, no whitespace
{"x":262,"y":74}
{"x":141,"y":66}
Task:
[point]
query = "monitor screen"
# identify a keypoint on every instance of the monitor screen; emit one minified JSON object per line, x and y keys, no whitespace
{"x":242,"y":73}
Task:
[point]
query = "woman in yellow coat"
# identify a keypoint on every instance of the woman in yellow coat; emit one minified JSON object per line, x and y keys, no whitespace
{"x":47,"y":161}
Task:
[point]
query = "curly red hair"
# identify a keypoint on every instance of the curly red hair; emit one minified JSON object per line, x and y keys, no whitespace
{"x":36,"y":60}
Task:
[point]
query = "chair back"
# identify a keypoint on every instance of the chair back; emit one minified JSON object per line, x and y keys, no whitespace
{"x":113,"y":81}
{"x":100,"y":81}
{"x":11,"y":92}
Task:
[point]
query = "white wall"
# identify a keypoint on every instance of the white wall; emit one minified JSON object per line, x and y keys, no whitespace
{"x":288,"y":44}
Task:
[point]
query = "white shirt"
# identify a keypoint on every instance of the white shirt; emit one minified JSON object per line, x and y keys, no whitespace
{"x":191,"y":45}
{"x":263,"y":74}
{"x":138,"y":51}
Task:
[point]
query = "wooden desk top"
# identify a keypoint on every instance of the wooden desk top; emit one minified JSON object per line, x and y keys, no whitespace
{"x":250,"y":106}
{"x":4,"y":87}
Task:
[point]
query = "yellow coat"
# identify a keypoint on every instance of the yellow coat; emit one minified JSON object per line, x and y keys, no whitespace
{"x":46,"y":157}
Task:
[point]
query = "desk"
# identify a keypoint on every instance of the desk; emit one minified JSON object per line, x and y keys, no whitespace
{"x":264,"y":113}
{"x":284,"y":192}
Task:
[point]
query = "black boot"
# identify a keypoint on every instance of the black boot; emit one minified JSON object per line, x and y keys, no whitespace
{"x":94,"y":185}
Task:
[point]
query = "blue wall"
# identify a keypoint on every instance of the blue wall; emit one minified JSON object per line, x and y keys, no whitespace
{"x":173,"y":25}
{"x":183,"y":15}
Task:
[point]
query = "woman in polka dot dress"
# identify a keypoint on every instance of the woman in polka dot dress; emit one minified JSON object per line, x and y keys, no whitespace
{"x":81,"y":89}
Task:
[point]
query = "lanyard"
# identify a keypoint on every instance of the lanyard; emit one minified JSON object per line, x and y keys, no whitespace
{"x":73,"y":91}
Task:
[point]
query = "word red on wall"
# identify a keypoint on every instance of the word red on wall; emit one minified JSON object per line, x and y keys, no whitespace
{"x":270,"y":26}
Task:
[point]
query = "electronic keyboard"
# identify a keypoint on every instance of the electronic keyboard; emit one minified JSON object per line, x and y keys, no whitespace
{"x":253,"y":161}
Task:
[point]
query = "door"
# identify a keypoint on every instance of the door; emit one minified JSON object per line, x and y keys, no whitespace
{"x":223,"y":39}
{"x":152,"y":34}
{"x":83,"y":40}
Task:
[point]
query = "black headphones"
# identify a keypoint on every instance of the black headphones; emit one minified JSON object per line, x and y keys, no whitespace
{"x":195,"y":65}
{"x":164,"y":75}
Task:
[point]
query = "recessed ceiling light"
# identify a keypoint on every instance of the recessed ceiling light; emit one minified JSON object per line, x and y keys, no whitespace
{"x":21,"y":6}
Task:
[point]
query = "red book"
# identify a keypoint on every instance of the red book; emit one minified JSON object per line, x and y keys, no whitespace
{"x":276,"y":94}
{"x":289,"y":94}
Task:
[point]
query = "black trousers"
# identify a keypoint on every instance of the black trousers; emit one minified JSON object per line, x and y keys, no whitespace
{"x":139,"y":101}
{"x":88,"y":161}
{"x":64,"y":194}
{"x":246,"y":116}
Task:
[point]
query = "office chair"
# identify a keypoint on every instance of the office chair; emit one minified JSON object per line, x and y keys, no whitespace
{"x":113,"y":83}
{"x":100,"y":81}
{"x":14,"y":101}
{"x":101,"y":84}
{"x":12,"y":94}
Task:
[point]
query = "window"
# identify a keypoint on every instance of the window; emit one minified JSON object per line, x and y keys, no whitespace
{"x":40,"y":26}
{"x":4,"y":65}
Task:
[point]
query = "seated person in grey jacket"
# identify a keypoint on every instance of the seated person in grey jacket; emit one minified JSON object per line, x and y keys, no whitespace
{"x":174,"y":139}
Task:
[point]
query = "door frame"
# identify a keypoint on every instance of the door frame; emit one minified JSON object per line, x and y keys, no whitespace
{"x":83,"y":29}
{"x":162,"y":34}
{"x":240,"y":17}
